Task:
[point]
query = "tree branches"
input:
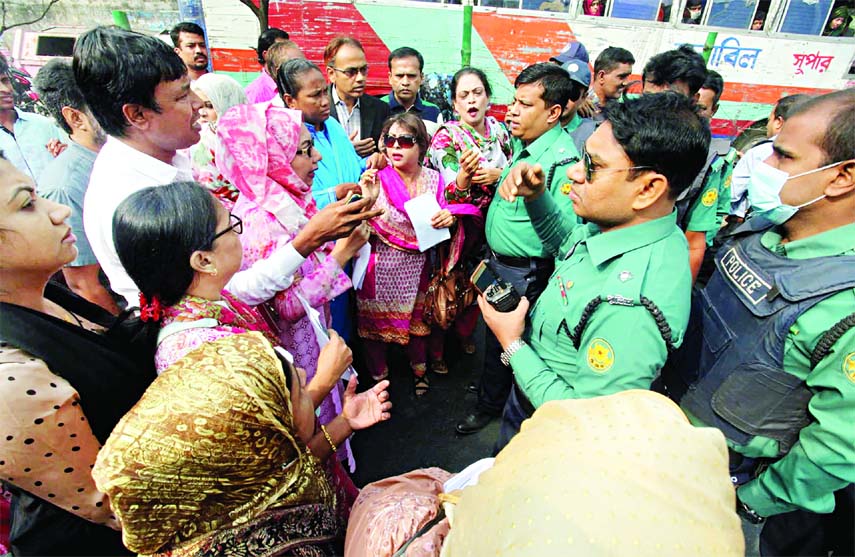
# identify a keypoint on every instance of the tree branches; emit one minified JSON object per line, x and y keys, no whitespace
{"x":4,"y":27}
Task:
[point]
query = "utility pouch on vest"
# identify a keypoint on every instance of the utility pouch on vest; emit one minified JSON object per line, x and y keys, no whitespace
{"x":761,"y":400}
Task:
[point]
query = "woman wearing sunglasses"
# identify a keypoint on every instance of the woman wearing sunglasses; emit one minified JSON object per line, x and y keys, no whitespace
{"x":470,"y":153}
{"x":221,"y":455}
{"x":268,"y":154}
{"x":390,"y":304}
{"x":218,"y":93}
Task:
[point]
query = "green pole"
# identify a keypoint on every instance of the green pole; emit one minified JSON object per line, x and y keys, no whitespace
{"x":120,"y":19}
{"x":466,"y":51}
{"x":708,"y":46}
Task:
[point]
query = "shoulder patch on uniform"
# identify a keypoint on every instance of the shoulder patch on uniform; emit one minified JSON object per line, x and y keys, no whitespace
{"x":849,"y":366}
{"x":727,"y":181}
{"x":566,"y":187}
{"x":710,"y":197}
{"x":600,"y":355}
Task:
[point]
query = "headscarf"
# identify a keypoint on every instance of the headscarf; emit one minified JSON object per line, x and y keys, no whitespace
{"x":590,"y":11}
{"x":256,"y":147}
{"x":223,"y":91}
{"x":625,"y":474}
{"x":840,"y":11}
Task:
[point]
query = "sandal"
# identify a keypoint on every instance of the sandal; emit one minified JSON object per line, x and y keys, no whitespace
{"x":421,"y":384}
{"x":468,"y":346}
{"x":439,"y":367}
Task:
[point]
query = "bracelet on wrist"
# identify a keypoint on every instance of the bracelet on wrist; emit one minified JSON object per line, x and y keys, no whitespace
{"x":329,"y":439}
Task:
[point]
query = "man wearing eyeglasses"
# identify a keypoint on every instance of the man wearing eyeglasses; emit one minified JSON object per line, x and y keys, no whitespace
{"x":618,"y":301}
{"x":361,"y":115}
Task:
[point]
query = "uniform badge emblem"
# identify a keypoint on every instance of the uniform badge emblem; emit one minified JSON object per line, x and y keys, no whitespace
{"x":849,"y":366}
{"x":565,"y":188}
{"x":727,"y":182}
{"x":600,"y":355}
{"x":624,"y":276}
{"x":709,"y":197}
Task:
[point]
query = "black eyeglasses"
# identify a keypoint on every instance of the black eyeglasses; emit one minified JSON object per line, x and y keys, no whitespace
{"x":208,"y":105}
{"x":403,"y":141}
{"x":352,"y":72}
{"x":589,"y":167}
{"x":306,"y":151}
{"x":234,"y":224}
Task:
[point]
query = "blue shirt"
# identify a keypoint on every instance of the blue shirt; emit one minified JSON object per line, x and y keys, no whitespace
{"x":26,"y":148}
{"x":340,"y":163}
{"x":425,"y":110}
{"x":64,"y":180}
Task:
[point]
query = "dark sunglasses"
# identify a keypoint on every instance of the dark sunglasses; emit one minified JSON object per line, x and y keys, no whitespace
{"x":403,"y":141}
{"x":234,"y":224}
{"x":306,"y":152}
{"x":590,"y":170}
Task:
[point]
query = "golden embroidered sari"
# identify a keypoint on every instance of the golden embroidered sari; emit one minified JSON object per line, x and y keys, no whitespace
{"x":208,"y":461}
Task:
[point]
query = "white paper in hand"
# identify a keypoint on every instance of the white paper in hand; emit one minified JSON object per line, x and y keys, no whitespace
{"x":420,"y":210}
{"x":468,"y":476}
{"x":360,"y":266}
{"x":321,"y":332}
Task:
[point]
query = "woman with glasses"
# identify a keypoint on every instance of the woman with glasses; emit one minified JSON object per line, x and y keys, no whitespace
{"x":218,"y":93}
{"x":390,"y":305}
{"x":68,"y":375}
{"x":267,"y":153}
{"x":470,"y":153}
{"x":222,"y":455}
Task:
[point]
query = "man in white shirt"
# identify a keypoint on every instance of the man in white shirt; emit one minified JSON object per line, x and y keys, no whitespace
{"x":139,"y":91}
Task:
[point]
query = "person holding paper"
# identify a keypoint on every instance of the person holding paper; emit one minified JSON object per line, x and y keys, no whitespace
{"x":390,"y":305}
{"x":268,"y":154}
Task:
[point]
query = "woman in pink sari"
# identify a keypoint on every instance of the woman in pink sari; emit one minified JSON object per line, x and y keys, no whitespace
{"x":269,"y":156}
{"x":390,"y":304}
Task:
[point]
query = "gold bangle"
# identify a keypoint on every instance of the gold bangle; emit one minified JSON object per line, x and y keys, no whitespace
{"x":329,"y":439}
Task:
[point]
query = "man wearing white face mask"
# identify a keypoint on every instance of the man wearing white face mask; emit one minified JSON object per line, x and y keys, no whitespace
{"x":769,"y":357}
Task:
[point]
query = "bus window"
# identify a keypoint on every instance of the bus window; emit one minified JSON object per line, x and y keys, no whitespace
{"x":805,"y":18}
{"x":693,"y":12}
{"x":759,"y":21}
{"x":562,"y":6}
{"x":649,"y":10}
{"x":839,"y":23}
{"x":596,"y":8}
{"x":734,"y":14}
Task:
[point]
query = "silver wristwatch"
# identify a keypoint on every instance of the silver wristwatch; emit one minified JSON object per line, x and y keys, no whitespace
{"x":512,"y":348}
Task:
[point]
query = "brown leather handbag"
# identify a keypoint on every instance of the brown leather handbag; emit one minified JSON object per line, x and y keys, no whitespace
{"x":448,"y":292}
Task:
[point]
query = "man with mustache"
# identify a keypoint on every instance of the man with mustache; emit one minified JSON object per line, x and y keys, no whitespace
{"x":189,"y":41}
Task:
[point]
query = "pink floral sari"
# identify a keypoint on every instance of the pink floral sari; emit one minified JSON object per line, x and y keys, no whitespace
{"x":257,"y":144}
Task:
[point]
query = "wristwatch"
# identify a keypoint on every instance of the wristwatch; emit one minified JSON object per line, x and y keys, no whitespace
{"x":748,"y":513}
{"x":512,"y":348}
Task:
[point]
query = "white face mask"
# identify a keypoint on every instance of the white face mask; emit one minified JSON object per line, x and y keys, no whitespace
{"x":764,"y":192}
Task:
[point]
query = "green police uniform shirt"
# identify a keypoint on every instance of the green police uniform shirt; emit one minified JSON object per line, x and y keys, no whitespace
{"x":509,"y":230}
{"x":621,"y":347}
{"x":702,"y":212}
{"x":721,"y":171}
{"x":823,"y":459}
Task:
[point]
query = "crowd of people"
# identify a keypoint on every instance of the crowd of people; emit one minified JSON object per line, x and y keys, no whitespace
{"x":190,"y":390}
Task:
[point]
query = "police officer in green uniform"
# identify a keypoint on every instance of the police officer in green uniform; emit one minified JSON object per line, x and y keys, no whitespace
{"x":618,"y":301}
{"x":769,"y":357}
{"x":542,"y":92}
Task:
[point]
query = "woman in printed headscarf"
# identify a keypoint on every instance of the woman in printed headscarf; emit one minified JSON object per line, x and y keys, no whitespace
{"x":838,"y":23}
{"x":268,"y":154}
{"x":218,"y":93}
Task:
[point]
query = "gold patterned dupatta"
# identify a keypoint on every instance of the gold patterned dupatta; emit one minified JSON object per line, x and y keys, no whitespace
{"x":209,"y":452}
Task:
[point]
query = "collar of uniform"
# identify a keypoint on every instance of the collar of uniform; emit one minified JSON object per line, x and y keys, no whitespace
{"x":137,"y":161}
{"x":337,"y":100}
{"x":418,"y":105}
{"x":606,"y":245}
{"x":574,"y":123}
{"x":832,"y":242}
{"x":539,"y":146}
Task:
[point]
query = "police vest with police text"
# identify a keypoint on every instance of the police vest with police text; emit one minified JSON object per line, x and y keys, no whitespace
{"x":729,"y":371}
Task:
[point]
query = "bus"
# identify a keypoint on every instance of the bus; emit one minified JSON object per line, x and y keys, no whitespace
{"x":789,"y":54}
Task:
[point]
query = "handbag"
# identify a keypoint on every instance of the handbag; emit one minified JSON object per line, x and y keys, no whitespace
{"x":448,"y":292}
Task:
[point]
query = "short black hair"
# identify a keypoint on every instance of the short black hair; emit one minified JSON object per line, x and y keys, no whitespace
{"x":555,"y":81}
{"x":185,"y":27}
{"x":662,"y":131}
{"x":406,"y":52}
{"x":611,"y":57}
{"x":266,"y":40}
{"x":786,"y":105}
{"x":681,"y":64}
{"x":838,"y":139}
{"x":157,"y":229}
{"x":715,"y":83}
{"x":56,"y":88}
{"x":114,"y":67}
{"x":4,"y":65}
{"x":288,"y":76}
{"x":470,"y":71}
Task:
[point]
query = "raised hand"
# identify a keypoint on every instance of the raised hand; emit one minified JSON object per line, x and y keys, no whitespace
{"x":524,"y":180}
{"x":367,"y":408}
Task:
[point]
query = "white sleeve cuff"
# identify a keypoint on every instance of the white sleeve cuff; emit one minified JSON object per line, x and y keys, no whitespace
{"x":266,"y":277}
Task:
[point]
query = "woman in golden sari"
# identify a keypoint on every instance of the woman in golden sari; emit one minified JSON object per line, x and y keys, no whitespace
{"x":221,"y":456}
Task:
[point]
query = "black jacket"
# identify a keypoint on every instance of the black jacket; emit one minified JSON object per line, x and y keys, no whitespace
{"x":372,"y":113}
